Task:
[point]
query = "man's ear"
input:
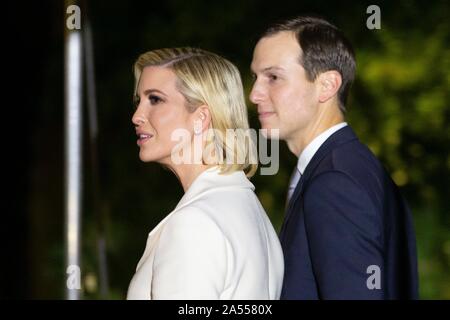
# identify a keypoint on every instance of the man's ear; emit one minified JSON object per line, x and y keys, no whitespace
{"x":329,"y":84}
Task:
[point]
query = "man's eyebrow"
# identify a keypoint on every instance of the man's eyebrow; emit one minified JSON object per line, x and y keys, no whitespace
{"x":271,"y":68}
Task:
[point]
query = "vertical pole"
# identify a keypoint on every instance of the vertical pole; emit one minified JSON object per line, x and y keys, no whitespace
{"x":99,"y":208}
{"x":73,"y":154}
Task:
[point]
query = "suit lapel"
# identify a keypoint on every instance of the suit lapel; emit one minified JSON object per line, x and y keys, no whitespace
{"x":295,"y":195}
{"x":341,"y":136}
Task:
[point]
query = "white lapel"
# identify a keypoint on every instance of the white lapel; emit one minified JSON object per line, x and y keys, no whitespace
{"x":208,"y":181}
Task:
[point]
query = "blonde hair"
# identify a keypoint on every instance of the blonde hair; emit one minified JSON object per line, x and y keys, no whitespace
{"x":205,"y":78}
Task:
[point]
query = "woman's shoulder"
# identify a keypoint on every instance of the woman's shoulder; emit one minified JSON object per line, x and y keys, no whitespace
{"x":191,"y":227}
{"x":193,"y":217}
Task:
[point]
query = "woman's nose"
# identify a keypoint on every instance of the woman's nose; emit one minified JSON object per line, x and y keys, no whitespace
{"x":138,"y":118}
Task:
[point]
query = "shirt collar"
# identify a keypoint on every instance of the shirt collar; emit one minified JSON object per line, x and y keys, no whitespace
{"x":211,"y":180}
{"x":308,"y":153}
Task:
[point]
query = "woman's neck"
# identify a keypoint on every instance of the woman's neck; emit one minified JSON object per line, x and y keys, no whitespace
{"x":187,"y":173}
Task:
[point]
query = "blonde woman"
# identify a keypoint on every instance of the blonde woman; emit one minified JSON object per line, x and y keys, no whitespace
{"x":218,"y":242}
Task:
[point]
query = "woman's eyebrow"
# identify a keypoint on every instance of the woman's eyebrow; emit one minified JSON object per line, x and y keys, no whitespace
{"x":148,"y":91}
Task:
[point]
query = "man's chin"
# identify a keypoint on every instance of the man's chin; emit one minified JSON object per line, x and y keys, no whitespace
{"x":271,"y":133}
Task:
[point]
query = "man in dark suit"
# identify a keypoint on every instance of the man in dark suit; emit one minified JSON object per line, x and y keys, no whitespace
{"x":347,"y":232}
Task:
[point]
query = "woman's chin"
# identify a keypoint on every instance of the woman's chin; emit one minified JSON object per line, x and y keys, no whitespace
{"x":153,"y":158}
{"x":145,"y":157}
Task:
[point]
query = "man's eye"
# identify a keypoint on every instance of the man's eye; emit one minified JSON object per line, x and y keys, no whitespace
{"x":154,"y":99}
{"x":273,"y":77}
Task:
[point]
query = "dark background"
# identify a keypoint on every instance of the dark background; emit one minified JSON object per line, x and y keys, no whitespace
{"x":398,"y":107}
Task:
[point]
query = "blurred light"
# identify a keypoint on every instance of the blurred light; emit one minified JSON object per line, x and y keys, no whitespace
{"x":73,"y":138}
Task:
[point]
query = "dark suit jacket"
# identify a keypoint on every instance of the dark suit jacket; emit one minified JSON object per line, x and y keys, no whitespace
{"x":346,"y":218}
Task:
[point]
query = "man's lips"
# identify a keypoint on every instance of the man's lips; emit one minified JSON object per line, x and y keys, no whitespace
{"x":265,"y":114}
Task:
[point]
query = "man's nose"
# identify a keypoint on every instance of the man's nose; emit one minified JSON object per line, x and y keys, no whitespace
{"x":256,"y":94}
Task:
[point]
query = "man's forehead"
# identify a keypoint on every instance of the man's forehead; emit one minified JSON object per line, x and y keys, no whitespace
{"x":275,"y":52}
{"x":286,"y":39}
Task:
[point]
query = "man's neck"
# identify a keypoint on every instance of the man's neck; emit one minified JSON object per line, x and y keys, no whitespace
{"x":325,"y":121}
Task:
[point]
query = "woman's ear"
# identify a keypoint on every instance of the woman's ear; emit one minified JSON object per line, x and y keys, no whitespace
{"x":202,"y":119}
{"x":329,"y":82}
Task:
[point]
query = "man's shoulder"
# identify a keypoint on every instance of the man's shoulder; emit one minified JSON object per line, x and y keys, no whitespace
{"x":353,"y":161}
{"x":351,"y":158}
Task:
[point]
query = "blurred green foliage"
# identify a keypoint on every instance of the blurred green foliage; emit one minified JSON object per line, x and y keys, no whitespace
{"x":399,"y":107}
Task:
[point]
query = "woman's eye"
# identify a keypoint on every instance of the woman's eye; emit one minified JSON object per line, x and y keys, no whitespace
{"x":154,"y":99}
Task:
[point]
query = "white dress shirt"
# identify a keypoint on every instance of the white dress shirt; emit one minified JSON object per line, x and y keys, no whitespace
{"x":218,"y":243}
{"x":308,"y":153}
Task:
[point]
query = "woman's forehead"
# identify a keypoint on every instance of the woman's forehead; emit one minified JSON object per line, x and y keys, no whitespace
{"x":159,"y":78}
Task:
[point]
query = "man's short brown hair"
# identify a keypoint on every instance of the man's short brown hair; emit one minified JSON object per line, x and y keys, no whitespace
{"x":324,"y":47}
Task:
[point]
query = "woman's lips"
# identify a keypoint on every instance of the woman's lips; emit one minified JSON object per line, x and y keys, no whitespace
{"x":143,"y":138}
